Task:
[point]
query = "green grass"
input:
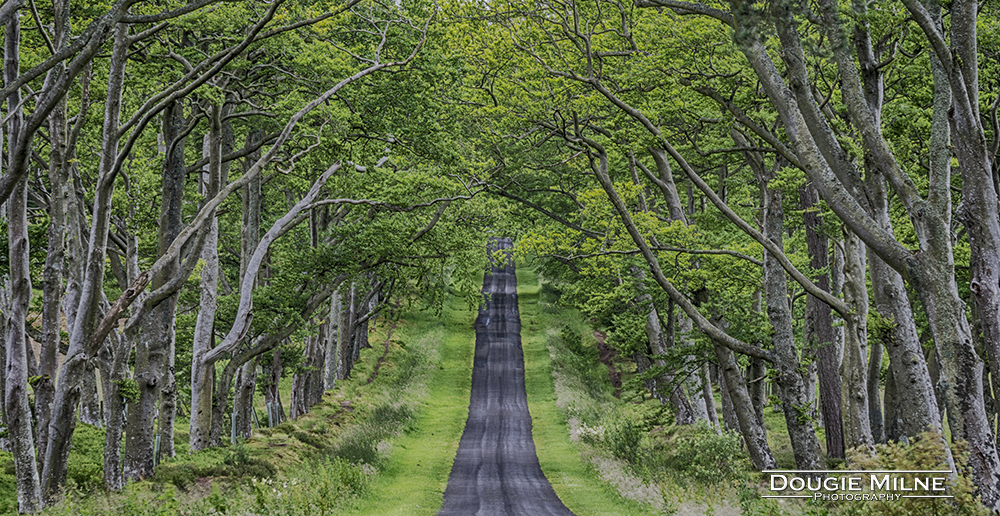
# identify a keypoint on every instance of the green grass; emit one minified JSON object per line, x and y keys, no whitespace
{"x":413,"y":481}
{"x":573,"y":479}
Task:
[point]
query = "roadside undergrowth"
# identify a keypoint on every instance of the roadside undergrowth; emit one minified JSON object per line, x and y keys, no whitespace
{"x":319,"y":463}
{"x":629,"y":445}
{"x":562,"y":386}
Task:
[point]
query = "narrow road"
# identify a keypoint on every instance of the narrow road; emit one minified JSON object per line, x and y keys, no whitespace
{"x":496,"y":471}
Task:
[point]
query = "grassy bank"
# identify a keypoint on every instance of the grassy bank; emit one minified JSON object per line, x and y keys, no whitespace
{"x":574,"y":479}
{"x":416,"y":475}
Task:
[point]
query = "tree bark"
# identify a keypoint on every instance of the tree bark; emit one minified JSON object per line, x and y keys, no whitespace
{"x":658,"y":345}
{"x":758,"y":388}
{"x":752,"y":429}
{"x":819,"y":333}
{"x":155,"y":348}
{"x":346,"y":325}
{"x":170,"y":227}
{"x":90,"y":401}
{"x":272,"y":396}
{"x":854,"y":368}
{"x":691,"y":383}
{"x":17,"y":411}
{"x":333,"y":337}
{"x":203,"y":376}
{"x":729,"y":418}
{"x":44,"y":385}
{"x":794,"y":398}
{"x":875,"y":417}
{"x":706,"y":385}
{"x":218,"y":142}
{"x":81,"y":348}
{"x":246,"y":384}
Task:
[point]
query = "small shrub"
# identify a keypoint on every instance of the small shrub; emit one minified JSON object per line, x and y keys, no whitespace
{"x":623,"y":438}
{"x":180,"y":475}
{"x":310,"y":439}
{"x":591,"y":434}
{"x":8,"y":486}
{"x":709,"y":456}
{"x":926,"y":452}
{"x":320,"y":488}
{"x":241,"y":465}
{"x":574,"y":343}
{"x":391,"y":416}
{"x":86,"y":458}
{"x":360,"y":446}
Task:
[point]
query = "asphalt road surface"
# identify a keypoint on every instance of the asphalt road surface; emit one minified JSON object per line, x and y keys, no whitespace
{"x":496,"y":471}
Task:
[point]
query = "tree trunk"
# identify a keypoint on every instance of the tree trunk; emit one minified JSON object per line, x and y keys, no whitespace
{"x":642,"y":364}
{"x":728,"y":410}
{"x":333,"y":336}
{"x":819,"y":334}
{"x":314,"y":391}
{"x":59,"y":203}
{"x":794,"y":398}
{"x":854,"y":368}
{"x":221,"y":423}
{"x":304,"y":383}
{"x":154,"y":351}
{"x":347,"y":335}
{"x":758,"y":388}
{"x":659,"y":342}
{"x":980,"y":208}
{"x":691,"y":384}
{"x":272,"y":397}
{"x":17,"y":411}
{"x":875,"y":417}
{"x":706,"y":385}
{"x":116,"y":383}
{"x":174,"y":178}
{"x":140,"y":426}
{"x":893,"y":415}
{"x":929,"y":270}
{"x":913,"y":388}
{"x":90,"y":401}
{"x":751,"y":428}
{"x":246,"y":384}
{"x":202,"y":374}
{"x":115,"y":366}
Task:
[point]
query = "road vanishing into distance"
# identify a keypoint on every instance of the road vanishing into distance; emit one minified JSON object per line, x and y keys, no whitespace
{"x":496,"y":471}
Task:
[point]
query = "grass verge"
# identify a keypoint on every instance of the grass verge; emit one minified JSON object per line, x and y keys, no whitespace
{"x":413,"y":481}
{"x":575,"y":481}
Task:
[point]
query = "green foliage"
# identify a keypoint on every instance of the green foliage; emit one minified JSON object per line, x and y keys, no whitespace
{"x":133,"y":502}
{"x":235,"y":463}
{"x":708,"y":456}
{"x":880,"y":328}
{"x":128,"y":389}
{"x":86,"y":458}
{"x":623,"y":437}
{"x":320,"y":488}
{"x":362,"y":445}
{"x":574,"y":342}
{"x":926,"y":452}
{"x":241,"y":464}
{"x":8,"y":484}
